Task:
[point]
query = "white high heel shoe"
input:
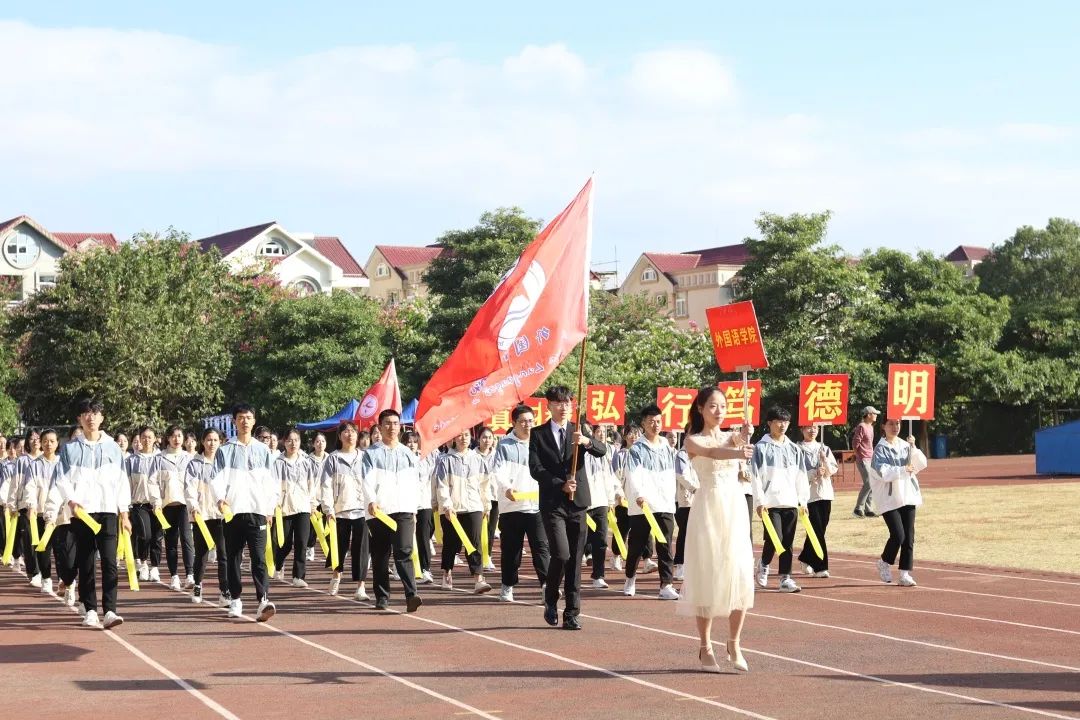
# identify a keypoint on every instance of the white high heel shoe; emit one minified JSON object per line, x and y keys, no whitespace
{"x":735,"y":656}
{"x":708,"y":660}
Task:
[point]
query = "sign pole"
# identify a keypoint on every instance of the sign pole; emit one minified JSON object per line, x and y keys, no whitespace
{"x":581,"y":390}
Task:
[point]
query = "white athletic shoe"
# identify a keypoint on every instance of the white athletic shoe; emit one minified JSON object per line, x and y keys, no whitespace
{"x":174,"y":584}
{"x":335,"y":585}
{"x":629,"y":588}
{"x":426,"y":578}
{"x":236,"y":608}
{"x":310,"y":554}
{"x":457,"y":561}
{"x":431,"y":548}
{"x":490,"y":567}
{"x":91,"y":619}
{"x":69,"y":596}
{"x":189,"y":582}
{"x":82,"y":610}
{"x":787,"y":585}
{"x":196,"y":594}
{"x":507,"y":593}
{"x":650,"y":566}
{"x":361,"y":592}
{"x":266,"y":610}
{"x":481,"y":587}
{"x":447,"y":580}
{"x":394,"y":573}
{"x":20,"y":566}
{"x":211,"y":557}
{"x":46,"y":586}
{"x":821,"y":574}
{"x":617,"y":564}
{"x":224,"y":600}
{"x":36,"y":581}
{"x":144,"y":573}
{"x":680,"y":573}
{"x":299,"y":583}
{"x":111,"y":619}
{"x":668,"y":592}
{"x":884,"y":571}
{"x":155,"y":575}
{"x":763,"y":575}
{"x":599,"y":583}
{"x":807,"y":570}
{"x":906,"y":580}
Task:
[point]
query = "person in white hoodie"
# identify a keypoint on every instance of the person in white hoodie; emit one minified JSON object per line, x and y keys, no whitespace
{"x":93,"y":481}
{"x":485,"y":451}
{"x":56,"y":511}
{"x":896,"y":494}
{"x":778,"y":478}
{"x":342,"y":489}
{"x":32,"y":444}
{"x":141,"y":468}
{"x":650,"y":478}
{"x":171,"y":474}
{"x":299,"y":498}
{"x":425,"y":503}
{"x":243,"y":485}
{"x":820,"y":466}
{"x":462,"y":490}
{"x":602,"y":489}
{"x":38,"y":478}
{"x":316,"y":458}
{"x":200,"y":501}
{"x":391,"y":487}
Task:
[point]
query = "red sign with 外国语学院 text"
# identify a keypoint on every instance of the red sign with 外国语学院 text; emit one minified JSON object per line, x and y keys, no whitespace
{"x":911,"y":392}
{"x":823,"y":400}
{"x":736,"y":338}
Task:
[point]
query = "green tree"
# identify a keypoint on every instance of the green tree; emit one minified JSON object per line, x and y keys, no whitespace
{"x":463,"y":278}
{"x":309,"y":356}
{"x":9,"y":376}
{"x":147,"y":328}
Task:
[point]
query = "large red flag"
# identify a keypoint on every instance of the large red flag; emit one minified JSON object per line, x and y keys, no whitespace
{"x":383,"y":395}
{"x":533,"y":319}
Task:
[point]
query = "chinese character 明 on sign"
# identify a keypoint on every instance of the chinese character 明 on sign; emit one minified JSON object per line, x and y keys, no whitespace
{"x":824,"y":401}
{"x":911,"y":391}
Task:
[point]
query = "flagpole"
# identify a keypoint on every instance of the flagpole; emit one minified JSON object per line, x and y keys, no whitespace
{"x":580,"y":395}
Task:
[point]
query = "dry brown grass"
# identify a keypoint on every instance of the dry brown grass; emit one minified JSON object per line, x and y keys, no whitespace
{"x":1032,"y":527}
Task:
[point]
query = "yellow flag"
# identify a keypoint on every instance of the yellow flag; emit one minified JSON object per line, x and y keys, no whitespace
{"x":812,"y":536}
{"x":469,"y":547}
{"x":613,"y":523}
{"x":207,"y":537}
{"x":161,"y":519}
{"x":656,"y":533}
{"x":44,"y":542}
{"x":767,"y":522}
{"x":94,"y":525}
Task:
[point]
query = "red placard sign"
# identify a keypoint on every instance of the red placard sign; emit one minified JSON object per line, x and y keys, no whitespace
{"x":736,"y":338}
{"x":674,"y":403}
{"x":823,"y":400}
{"x":911,"y":392}
{"x":736,"y":403}
{"x":605,"y":404}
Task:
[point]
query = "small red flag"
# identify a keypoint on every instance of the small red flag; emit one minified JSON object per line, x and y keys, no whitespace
{"x":383,"y":395}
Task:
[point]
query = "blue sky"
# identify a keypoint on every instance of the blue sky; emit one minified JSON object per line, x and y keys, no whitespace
{"x":919,"y":126}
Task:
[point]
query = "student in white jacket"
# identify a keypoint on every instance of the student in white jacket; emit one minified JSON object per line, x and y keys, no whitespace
{"x":820,"y":465}
{"x":462,"y":490}
{"x":343,"y":503}
{"x":602,"y":489}
{"x":316,"y":458}
{"x":37,"y":479}
{"x":896,"y":494}
{"x":200,"y":501}
{"x":56,"y":511}
{"x":485,"y":452}
{"x":141,"y":468}
{"x":299,"y":498}
{"x":171,"y":473}
{"x":425,"y":504}
{"x":780,"y":489}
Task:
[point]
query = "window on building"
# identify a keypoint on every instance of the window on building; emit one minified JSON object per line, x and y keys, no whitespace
{"x":273,"y":248}
{"x":392,"y":297}
{"x":648,"y":275}
{"x":680,"y":305}
{"x":661,"y":299}
{"x":304,"y":287}
{"x":382,"y":271}
{"x":46,"y":281}
{"x":21,"y":250}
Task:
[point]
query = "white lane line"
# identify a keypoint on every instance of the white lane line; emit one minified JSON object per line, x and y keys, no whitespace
{"x":926,"y":568}
{"x":929,"y":588}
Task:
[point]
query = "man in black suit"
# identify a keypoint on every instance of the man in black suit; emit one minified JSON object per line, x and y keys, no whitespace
{"x":563,"y":501}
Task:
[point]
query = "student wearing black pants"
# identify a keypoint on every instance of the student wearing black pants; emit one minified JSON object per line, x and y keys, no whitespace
{"x":297,"y":530}
{"x":901,"y":524}
{"x":471,"y":523}
{"x":299,"y":497}
{"x":425,"y":529}
{"x":462,"y":488}
{"x":637,"y":550}
{"x":147,"y":534}
{"x":682,"y":514}
{"x":784,"y":521}
{"x":217,"y":533}
{"x":897,"y":494}
{"x":64,"y":551}
{"x":179,"y":530}
{"x":247,"y":530}
{"x":516,"y":528}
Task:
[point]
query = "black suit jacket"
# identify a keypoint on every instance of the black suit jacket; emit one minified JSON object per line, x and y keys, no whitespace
{"x":550,"y":466}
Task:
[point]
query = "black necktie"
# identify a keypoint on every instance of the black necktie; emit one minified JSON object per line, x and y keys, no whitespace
{"x":562,"y":439}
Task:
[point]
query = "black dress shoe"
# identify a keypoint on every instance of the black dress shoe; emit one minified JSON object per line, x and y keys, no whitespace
{"x":382,"y":604}
{"x":551,"y":615}
{"x":570,"y":623}
{"x":413,"y":603}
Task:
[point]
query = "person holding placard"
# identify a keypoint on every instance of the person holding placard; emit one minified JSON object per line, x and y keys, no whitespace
{"x":896,"y":495}
{"x":820,"y":465}
{"x":201,"y":505}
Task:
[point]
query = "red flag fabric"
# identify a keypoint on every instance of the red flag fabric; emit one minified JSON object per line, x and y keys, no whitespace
{"x":383,"y":395}
{"x":535,"y":316}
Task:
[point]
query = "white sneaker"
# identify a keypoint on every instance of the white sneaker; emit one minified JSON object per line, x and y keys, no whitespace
{"x":299,"y":583}
{"x":431,"y":548}
{"x":629,"y":588}
{"x":668,"y":592}
{"x":457,"y":561}
{"x":196,"y":594}
{"x":884,"y":571}
{"x":69,"y":596}
{"x":807,"y":570}
{"x":788,"y":585}
{"x":111,"y":619}
{"x":144,"y":573}
{"x":211,"y":557}
{"x":46,"y":586}
{"x":426,"y":578}
{"x":650,"y":565}
{"x":617,"y":564}
{"x":361,"y":592}
{"x":310,"y":554}
{"x":906,"y":580}
{"x":82,"y":610}
{"x":36,"y":581}
{"x":266,"y":610}
{"x":680,"y":573}
{"x":507,"y":593}
{"x":91,"y":619}
{"x":481,"y":587}
{"x":189,"y":582}
{"x":224,"y":600}
{"x":394,"y":573}
{"x":490,"y":567}
{"x":155,"y":575}
{"x":335,"y":584}
{"x":20,"y":566}
{"x":174,"y":584}
{"x":236,"y":608}
{"x":763,"y":575}
{"x":447,"y":580}
{"x":599,"y":583}
{"x":821,"y":574}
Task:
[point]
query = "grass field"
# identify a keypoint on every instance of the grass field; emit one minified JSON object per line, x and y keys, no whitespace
{"x":1033,"y":527}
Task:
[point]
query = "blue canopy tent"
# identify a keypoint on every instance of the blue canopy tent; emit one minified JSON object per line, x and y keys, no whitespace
{"x":408,"y":413}
{"x":1055,"y":449}
{"x":347,"y":413}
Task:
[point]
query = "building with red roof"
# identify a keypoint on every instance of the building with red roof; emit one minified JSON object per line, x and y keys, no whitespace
{"x":397,"y":272}
{"x":30,"y":254}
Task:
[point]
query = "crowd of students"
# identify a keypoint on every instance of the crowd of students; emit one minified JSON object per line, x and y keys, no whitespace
{"x":373,"y":501}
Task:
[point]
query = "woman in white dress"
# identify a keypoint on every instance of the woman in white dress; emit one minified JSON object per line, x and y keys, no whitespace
{"x":719,"y":559}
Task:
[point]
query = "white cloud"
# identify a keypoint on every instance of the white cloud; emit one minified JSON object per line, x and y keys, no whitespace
{"x":682,"y":79}
{"x":1035,"y":132}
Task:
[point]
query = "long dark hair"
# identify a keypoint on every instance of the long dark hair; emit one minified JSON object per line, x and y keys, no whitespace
{"x":697,"y":419}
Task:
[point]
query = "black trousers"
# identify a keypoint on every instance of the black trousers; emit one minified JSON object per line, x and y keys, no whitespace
{"x":493,"y":525}
{"x":400,"y":542}
{"x":43,"y":559}
{"x":682,"y":516}
{"x":146,"y":534}
{"x":471,"y":523}
{"x":217,"y":532}
{"x":246,"y":530}
{"x":626,"y":524}
{"x":88,"y":547}
{"x":639,"y":531}
{"x":62,"y":543}
{"x":750,"y":514}
{"x":596,"y":540}
{"x":514,"y":527}
{"x":819,"y":512}
{"x":22,"y":542}
{"x":179,"y":530}
{"x":425,"y":528}
{"x":901,"y":524}
{"x":566,"y":531}
{"x":783,"y":520}
{"x":352,"y":536}
{"x":297,"y":529}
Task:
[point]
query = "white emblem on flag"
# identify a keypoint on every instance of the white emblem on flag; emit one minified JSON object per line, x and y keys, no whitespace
{"x":521,"y":307}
